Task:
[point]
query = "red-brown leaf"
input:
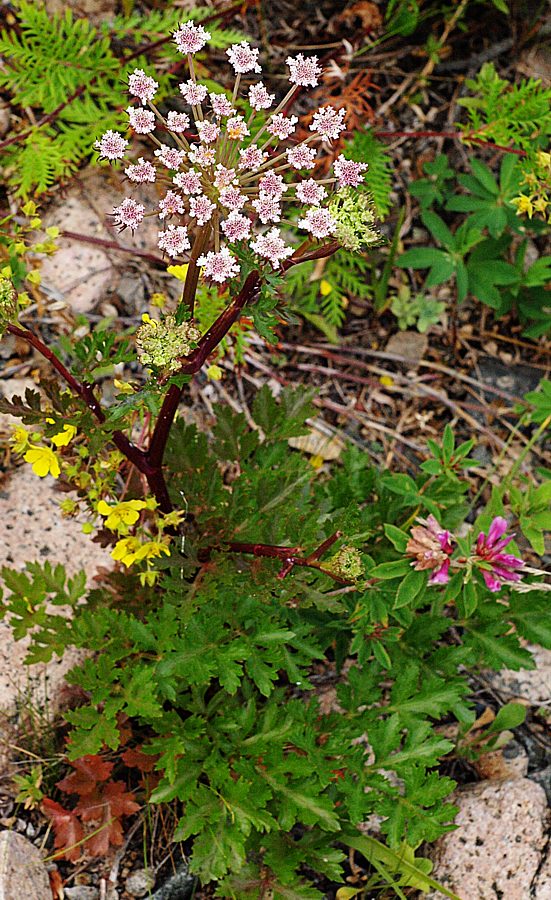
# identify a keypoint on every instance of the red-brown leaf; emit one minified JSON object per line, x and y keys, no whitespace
{"x":68,"y":831}
{"x":135,"y":758}
{"x":89,"y":770}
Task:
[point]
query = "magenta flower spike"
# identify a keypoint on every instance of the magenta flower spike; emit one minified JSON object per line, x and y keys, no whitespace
{"x":489,"y":550}
{"x":229,"y":181}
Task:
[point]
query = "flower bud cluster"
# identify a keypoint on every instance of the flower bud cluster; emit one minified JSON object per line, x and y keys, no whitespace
{"x":231,"y":166}
{"x":161,"y":344}
{"x":8,"y":303}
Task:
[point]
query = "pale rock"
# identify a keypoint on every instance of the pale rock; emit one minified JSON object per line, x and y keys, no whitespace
{"x":80,"y":273}
{"x":33,"y":529}
{"x":497,"y":848}
{"x":411,"y":345}
{"x":81,"y":892}
{"x":541,"y":889}
{"x":508,"y":762}
{"x":94,"y":10}
{"x":532,"y":685}
{"x":22,"y":871}
{"x":5,"y":116}
{"x":140,"y":882}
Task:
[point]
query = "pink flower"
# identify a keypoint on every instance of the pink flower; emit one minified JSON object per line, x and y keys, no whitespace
{"x":111,"y":145}
{"x":272,"y":185}
{"x":319,"y":222}
{"x":259,"y":98}
{"x":224,"y":177}
{"x":232,"y":198}
{"x":220,"y":266}
{"x":301,"y":156}
{"x":502,"y":566}
{"x":310,"y":192}
{"x":177,"y":121}
{"x":141,"y":171}
{"x":328,"y":122}
{"x":271,"y":246}
{"x":141,"y":120}
{"x":190,"y":38}
{"x":236,"y":227}
{"x":129,"y":214}
{"x":348,"y":172}
{"x":170,"y":157}
{"x":282,"y":126}
{"x":304,"y":70}
{"x":171,"y":205}
{"x":201,"y":208}
{"x":431,"y":547}
{"x":193,"y":93}
{"x":142,"y":86}
{"x":236,"y":128}
{"x":174,"y":240}
{"x":189,"y":182}
{"x":268,"y":208}
{"x":202,"y":156}
{"x":243,"y":58}
{"x":221,"y":106}
{"x":251,"y":158}
{"x":208,"y":131}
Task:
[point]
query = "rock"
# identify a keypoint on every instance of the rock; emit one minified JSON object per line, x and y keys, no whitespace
{"x":140,"y":883}
{"x":80,"y":273}
{"x":81,"y":892}
{"x":178,"y":887}
{"x":22,"y":871}
{"x":532,"y":685}
{"x":32,"y":529}
{"x":541,"y":889}
{"x":412,"y":345}
{"x":543,"y":778}
{"x":497,"y":848}
{"x":510,"y":761}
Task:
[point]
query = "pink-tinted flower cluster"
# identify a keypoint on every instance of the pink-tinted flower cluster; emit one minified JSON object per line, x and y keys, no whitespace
{"x":496,"y":566}
{"x":220,"y":170}
{"x":431,"y":547}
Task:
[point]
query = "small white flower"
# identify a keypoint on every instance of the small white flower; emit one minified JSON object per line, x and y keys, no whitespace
{"x":190,"y":38}
{"x":243,"y":58}
{"x":142,"y":86}
{"x":220,"y":266}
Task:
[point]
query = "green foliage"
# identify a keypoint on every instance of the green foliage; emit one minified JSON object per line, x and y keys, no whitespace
{"x":322,"y":298}
{"x":216,"y":663}
{"x":364,"y":147}
{"x":506,"y":113}
{"x":85,"y":85}
{"x":415,"y":309}
{"x":484,"y":254}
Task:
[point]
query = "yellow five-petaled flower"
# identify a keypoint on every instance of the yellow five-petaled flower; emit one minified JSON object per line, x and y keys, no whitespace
{"x":43,"y":460}
{"x":122,"y":515}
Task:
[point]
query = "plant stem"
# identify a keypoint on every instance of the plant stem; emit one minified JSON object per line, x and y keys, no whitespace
{"x":192,"y":275}
{"x":289,"y":556}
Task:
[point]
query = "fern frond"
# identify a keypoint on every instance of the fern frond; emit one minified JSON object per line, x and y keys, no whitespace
{"x":366,"y":148}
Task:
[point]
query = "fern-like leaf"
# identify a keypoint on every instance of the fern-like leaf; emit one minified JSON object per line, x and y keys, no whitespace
{"x":366,"y":148}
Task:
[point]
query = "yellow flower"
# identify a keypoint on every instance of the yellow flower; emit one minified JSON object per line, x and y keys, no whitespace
{"x":214,"y":372}
{"x":179,"y":272}
{"x":63,"y":438}
{"x":125,"y":550}
{"x":544,"y":158}
{"x":541,"y":204}
{"x":523,"y":205}
{"x":44,"y":461}
{"x":123,"y":387}
{"x":121,"y":516}
{"x":129,"y":550}
{"x":20,"y":438}
{"x":325,"y":287}
{"x":152,"y":549}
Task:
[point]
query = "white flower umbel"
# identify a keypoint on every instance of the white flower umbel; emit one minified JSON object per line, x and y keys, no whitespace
{"x":230,"y":175}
